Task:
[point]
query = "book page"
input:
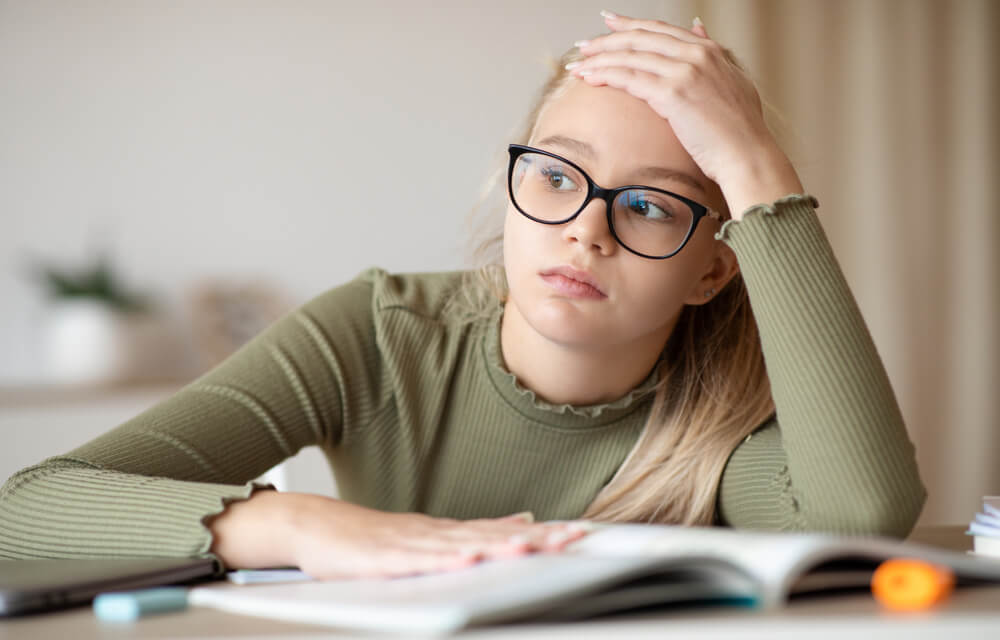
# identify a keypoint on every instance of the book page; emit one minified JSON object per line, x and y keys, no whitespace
{"x":768,"y":557}
{"x":614,"y":566}
{"x":492,"y":591}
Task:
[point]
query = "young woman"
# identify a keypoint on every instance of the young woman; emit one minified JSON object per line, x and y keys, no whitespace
{"x":619,"y":374}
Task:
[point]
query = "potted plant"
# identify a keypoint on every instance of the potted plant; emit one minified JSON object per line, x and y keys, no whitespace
{"x":97,"y":332}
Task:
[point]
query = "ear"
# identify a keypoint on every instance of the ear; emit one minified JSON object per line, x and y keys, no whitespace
{"x":720,"y":270}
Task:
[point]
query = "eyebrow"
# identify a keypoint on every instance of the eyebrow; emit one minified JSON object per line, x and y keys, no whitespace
{"x":645,"y":173}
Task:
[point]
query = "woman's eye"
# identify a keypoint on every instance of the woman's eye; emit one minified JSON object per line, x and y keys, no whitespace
{"x":555,"y":178}
{"x":648,"y":209}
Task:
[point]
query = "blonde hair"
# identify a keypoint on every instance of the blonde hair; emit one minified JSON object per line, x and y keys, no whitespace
{"x":712,"y":392}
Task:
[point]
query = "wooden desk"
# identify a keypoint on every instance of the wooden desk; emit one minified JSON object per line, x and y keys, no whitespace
{"x":969,"y":613}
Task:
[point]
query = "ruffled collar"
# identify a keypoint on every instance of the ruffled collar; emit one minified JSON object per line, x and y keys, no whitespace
{"x":564,"y":416}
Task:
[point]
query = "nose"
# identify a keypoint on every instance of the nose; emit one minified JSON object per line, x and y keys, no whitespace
{"x":590,"y":228}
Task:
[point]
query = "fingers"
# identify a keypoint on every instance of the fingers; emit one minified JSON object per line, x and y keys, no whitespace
{"x":650,"y":63}
{"x":485,"y":534}
{"x":699,"y":27}
{"x":368,"y":543}
{"x":641,"y":84}
{"x":646,"y":41}
{"x":645,"y":85}
{"x":623,"y":23}
{"x":649,"y":59}
{"x":500,"y":539}
{"x":650,"y":46}
{"x":402,"y":562}
{"x":415,"y":556}
{"x":524,"y":516}
{"x":493,"y":537}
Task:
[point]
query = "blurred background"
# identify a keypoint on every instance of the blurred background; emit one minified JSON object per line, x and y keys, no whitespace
{"x":175,"y":175}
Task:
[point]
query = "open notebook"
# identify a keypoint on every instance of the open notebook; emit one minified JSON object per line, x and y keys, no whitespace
{"x":615,"y":568}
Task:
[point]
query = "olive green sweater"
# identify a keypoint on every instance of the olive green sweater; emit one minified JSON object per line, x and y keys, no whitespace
{"x":416,"y":411}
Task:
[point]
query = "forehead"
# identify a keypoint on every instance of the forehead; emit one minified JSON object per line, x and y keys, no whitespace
{"x":624,"y":131}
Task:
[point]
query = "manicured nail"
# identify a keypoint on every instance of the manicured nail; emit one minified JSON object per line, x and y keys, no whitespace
{"x":610,"y":15}
{"x":572,"y":65}
{"x":526,"y":516}
{"x":557,"y":537}
{"x":580,"y":526}
{"x":698,"y":23}
{"x":517,"y":539}
{"x":579,"y":44}
{"x":585,"y":72}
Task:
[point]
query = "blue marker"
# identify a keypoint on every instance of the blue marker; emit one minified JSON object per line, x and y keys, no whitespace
{"x":123,"y":606}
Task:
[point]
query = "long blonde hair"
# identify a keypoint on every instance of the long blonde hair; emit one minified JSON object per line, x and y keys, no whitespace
{"x":713,"y":389}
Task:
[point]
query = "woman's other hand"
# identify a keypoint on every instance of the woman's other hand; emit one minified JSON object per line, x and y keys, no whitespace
{"x":328,"y":538}
{"x":712,"y":106}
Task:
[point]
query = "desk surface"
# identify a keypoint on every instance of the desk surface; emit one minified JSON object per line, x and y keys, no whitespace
{"x":972,"y":612}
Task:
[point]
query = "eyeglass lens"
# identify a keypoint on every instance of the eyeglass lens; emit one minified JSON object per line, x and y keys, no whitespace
{"x":648,"y":222}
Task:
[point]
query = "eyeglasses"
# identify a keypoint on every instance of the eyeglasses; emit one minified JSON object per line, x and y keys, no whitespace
{"x":646,"y":221}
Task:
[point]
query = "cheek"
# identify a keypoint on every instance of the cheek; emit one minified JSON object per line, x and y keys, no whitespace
{"x":511,"y":241}
{"x":513,"y":250}
{"x":702,"y":244}
{"x":521,"y":241}
{"x":658,"y":289}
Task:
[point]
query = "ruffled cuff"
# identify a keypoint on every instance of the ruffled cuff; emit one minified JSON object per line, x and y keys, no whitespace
{"x":785,"y":203}
{"x":63,"y":509}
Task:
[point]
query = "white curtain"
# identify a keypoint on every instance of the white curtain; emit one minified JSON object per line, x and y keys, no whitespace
{"x":890,"y":110}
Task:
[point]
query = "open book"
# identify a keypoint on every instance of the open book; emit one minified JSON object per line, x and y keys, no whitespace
{"x":614,"y":568}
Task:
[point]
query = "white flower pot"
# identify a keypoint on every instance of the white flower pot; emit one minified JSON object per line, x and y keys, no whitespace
{"x":88,"y":342}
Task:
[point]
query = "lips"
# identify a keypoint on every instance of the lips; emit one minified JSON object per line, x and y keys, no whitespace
{"x":573,"y":282}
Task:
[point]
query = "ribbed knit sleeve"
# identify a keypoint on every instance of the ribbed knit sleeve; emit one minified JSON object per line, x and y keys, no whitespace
{"x":838,"y":457}
{"x":62,"y":509}
{"x":145,"y":487}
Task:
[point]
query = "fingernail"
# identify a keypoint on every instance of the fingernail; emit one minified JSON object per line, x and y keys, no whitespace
{"x":572,"y":65}
{"x":517,"y":539}
{"x":579,"y":44}
{"x":557,"y":537}
{"x":697,"y":22}
{"x":527,"y":516}
{"x":579,"y":526}
{"x":610,"y":15}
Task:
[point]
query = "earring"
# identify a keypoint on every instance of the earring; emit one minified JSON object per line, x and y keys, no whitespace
{"x":710,"y":293}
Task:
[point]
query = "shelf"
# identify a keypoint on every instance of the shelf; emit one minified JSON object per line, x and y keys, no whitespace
{"x":42,"y":395}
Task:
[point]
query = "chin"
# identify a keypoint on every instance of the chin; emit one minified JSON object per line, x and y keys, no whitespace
{"x":566,"y":323}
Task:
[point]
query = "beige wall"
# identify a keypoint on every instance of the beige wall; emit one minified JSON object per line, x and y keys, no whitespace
{"x":893,"y":105}
{"x":299,"y":142}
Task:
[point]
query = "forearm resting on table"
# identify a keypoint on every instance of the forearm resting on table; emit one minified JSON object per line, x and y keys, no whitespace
{"x":329,"y":538}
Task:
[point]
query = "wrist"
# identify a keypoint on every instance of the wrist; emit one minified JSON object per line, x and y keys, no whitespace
{"x":256,"y":532}
{"x":762,"y":181}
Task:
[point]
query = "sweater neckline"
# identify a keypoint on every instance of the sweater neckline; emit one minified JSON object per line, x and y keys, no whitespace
{"x":564,"y":416}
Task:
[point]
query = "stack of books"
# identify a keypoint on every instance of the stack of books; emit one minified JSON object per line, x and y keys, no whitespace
{"x":985,"y":528}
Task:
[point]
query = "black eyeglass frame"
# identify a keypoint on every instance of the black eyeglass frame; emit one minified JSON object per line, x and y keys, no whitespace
{"x":594,"y":190}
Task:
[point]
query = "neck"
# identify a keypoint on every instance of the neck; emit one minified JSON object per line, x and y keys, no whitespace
{"x":572,"y":374}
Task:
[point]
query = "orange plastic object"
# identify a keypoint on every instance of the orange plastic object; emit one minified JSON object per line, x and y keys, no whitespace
{"x":905,"y":584}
